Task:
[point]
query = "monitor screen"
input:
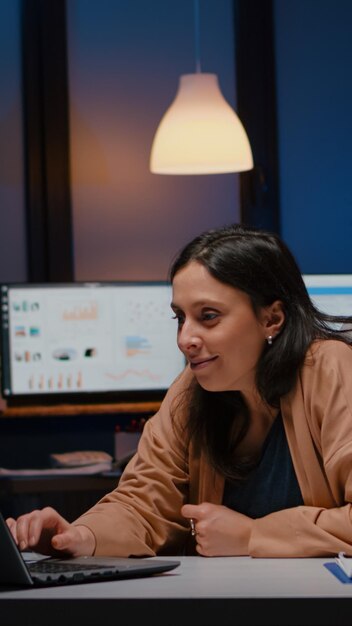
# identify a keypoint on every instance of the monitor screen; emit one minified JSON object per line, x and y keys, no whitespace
{"x":60,"y":340}
{"x":331,"y":293}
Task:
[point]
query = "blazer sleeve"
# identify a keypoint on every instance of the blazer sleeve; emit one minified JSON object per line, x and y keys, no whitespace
{"x":325,"y":403}
{"x":142,"y":516}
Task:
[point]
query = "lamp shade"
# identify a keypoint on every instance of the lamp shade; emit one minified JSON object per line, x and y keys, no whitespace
{"x":200,"y":133}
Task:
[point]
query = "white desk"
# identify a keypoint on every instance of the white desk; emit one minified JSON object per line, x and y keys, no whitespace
{"x":201,"y":592}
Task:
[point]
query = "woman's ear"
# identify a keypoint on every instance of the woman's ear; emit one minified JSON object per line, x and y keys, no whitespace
{"x":274,"y":318}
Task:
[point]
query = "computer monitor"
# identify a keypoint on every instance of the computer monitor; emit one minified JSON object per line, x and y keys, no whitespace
{"x":331,"y":293}
{"x":87,"y":341}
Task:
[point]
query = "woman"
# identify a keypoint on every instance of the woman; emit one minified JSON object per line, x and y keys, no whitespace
{"x":251,"y":450}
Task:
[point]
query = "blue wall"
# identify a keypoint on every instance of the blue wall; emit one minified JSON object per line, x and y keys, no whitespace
{"x":314,"y":86}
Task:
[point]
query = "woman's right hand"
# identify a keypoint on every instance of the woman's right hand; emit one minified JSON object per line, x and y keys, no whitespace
{"x":45,"y":531}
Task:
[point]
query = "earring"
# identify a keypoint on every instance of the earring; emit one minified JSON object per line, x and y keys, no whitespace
{"x":270,"y":340}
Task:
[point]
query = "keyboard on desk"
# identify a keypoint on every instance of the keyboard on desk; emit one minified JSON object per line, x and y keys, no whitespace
{"x":52,"y":570}
{"x":14,"y":570}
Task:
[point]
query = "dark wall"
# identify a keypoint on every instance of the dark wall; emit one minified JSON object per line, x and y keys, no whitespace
{"x":12,"y":215}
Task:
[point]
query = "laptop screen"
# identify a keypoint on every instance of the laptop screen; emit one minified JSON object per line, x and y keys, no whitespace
{"x":70,"y":340}
{"x":331,"y":293}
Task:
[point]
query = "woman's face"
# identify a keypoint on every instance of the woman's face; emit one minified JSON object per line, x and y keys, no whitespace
{"x":218,"y":331}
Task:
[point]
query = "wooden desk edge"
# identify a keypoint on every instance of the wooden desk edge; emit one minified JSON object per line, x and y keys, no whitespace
{"x":81,"y":409}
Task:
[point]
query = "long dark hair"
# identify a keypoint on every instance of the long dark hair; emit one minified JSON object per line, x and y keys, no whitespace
{"x":259,"y":264}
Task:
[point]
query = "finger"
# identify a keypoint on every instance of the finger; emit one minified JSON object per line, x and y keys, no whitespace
{"x":203,"y":547}
{"x":52,"y":519}
{"x":190,"y":511}
{"x":49,"y":519}
{"x":199,"y":549}
{"x":66,"y":540}
{"x":11,"y":523}
{"x":30,"y":527}
{"x":36,"y":525}
{"x":22,"y":526}
{"x":76,"y":540}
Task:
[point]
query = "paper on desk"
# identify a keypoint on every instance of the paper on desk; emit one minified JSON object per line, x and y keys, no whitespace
{"x":345,"y":563}
{"x":96,"y":468}
{"x":33,"y":557}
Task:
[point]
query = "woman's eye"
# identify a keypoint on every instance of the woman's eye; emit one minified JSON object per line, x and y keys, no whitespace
{"x":210,"y":316}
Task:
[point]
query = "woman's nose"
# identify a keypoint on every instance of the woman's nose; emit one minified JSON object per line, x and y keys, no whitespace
{"x":188,"y":338}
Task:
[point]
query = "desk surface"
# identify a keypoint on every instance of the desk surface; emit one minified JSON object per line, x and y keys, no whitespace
{"x":201,"y":592}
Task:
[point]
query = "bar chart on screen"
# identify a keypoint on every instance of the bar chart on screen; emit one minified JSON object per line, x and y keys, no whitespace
{"x":82,"y":338}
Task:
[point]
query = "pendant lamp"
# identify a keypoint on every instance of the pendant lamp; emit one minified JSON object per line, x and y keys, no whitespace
{"x":200,"y":133}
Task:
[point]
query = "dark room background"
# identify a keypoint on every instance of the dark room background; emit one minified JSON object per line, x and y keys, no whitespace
{"x":124,"y":59}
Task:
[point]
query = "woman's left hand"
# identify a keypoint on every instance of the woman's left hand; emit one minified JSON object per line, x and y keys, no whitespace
{"x":219,"y":531}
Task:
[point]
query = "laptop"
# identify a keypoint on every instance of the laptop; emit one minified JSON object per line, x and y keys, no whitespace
{"x":15,"y":571}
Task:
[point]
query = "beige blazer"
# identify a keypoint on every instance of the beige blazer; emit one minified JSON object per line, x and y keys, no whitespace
{"x":142,"y":516}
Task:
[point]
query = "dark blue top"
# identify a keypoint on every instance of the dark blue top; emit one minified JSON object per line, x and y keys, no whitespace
{"x":272,"y":485}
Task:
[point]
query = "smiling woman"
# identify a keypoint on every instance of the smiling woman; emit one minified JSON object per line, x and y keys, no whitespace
{"x":251,"y":450}
{"x":219,"y":332}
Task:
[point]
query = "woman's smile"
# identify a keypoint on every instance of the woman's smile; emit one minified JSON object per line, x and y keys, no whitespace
{"x":199,"y":364}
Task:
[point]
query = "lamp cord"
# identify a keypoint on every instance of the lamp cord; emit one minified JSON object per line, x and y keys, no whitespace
{"x":197,"y":36}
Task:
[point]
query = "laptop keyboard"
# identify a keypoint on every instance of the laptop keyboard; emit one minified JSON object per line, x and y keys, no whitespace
{"x":49,"y":567}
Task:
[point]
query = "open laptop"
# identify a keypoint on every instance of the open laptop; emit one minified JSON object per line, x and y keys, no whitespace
{"x":49,"y":571}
